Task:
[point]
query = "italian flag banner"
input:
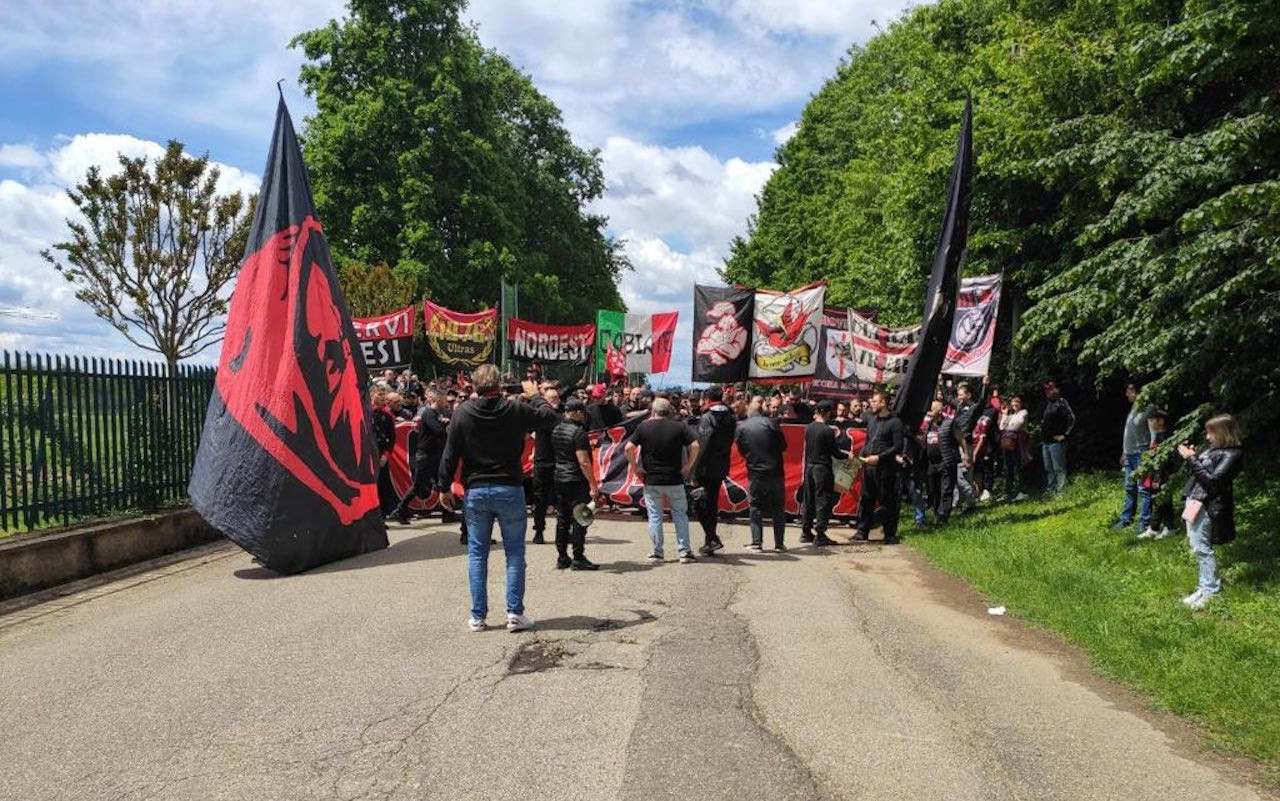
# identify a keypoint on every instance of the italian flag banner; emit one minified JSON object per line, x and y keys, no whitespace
{"x":645,"y":340}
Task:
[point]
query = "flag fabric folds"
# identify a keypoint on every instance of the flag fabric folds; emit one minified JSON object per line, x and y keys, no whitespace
{"x":287,"y":466}
{"x":940,"y":298}
{"x":387,"y":341}
{"x":974,"y":333}
{"x":722,"y":333}
{"x":645,"y":339}
{"x":460,"y":339}
{"x":787,"y":328}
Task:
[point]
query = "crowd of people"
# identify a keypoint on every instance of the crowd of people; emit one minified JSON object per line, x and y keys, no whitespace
{"x":974,"y":445}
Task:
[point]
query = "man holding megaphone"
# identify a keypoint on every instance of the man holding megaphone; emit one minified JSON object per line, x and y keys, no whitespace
{"x":576,"y":486}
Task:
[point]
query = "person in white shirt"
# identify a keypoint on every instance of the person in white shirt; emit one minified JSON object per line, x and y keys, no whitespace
{"x":1013,"y":446}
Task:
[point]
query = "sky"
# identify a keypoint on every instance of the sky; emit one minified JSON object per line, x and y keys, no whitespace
{"x":687,"y":102}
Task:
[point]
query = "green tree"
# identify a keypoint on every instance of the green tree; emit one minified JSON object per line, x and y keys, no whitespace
{"x":375,"y":289}
{"x":157,"y":250}
{"x":438,"y":156}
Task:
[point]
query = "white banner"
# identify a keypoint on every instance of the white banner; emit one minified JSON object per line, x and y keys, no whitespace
{"x":787,"y":328}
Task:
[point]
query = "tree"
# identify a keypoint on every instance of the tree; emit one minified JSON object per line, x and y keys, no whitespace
{"x":375,"y":289}
{"x":156,"y":249}
{"x":432,"y":154}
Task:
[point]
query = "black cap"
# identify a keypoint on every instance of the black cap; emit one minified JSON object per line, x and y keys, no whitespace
{"x":575,"y":405}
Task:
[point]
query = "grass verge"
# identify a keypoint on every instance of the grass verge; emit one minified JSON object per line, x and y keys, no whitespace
{"x":1057,"y":563}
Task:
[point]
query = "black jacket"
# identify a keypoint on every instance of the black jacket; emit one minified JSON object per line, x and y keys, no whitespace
{"x":1211,"y":475}
{"x":716,"y":430}
{"x":761,"y":443}
{"x":487,"y":435}
{"x":384,"y":430}
{"x":820,"y":444}
{"x":602,"y":415}
{"x":1057,"y":419}
{"x":885,"y":438}
{"x":431,"y":437}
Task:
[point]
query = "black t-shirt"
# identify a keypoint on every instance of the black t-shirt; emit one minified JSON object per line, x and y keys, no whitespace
{"x":819,"y":444}
{"x":543,"y":454}
{"x":662,"y":441}
{"x":933,"y":442}
{"x":567,"y":439}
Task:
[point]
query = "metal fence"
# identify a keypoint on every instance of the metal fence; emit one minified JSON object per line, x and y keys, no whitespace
{"x":88,"y":438}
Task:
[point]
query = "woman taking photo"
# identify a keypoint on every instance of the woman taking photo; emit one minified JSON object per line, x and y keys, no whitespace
{"x":1210,"y":501}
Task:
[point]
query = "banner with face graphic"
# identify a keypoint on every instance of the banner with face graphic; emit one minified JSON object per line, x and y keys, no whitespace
{"x":786,"y":335}
{"x":460,"y":339}
{"x":287,"y":466}
{"x":721,"y":333}
{"x":387,"y":341}
{"x":974,"y":332}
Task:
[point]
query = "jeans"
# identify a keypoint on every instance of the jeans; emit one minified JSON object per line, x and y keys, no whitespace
{"x":1012,"y":472}
{"x":676,"y":497}
{"x":484,"y":505}
{"x":916,"y":490}
{"x":1199,"y":532}
{"x":964,"y":483}
{"x":1132,"y":492}
{"x":1055,"y":465}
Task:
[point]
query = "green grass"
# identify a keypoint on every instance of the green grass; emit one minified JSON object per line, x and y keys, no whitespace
{"x":1057,"y":564}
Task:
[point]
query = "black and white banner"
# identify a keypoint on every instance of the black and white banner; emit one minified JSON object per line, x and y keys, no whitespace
{"x":387,"y":341}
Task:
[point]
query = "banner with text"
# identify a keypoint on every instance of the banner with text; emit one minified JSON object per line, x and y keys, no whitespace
{"x":879,"y":354}
{"x":974,"y":331}
{"x":386,"y":341}
{"x":460,"y":339}
{"x":646,"y":340}
{"x":788,"y":326}
{"x":538,"y":342}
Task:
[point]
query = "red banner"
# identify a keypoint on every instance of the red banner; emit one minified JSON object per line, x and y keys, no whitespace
{"x":539,"y":342}
{"x":460,"y":339}
{"x":387,"y":341}
{"x":619,"y":482}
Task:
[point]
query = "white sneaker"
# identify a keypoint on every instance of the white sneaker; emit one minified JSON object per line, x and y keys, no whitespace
{"x":519,"y":623}
{"x":1201,"y":601}
{"x":1148,"y":533}
{"x":1193,"y":598}
{"x":1164,"y":532}
{"x":477,"y":624}
{"x":986,"y":496}
{"x":1021,"y":496}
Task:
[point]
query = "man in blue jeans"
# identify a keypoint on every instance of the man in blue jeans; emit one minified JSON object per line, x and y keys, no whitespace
{"x":662,"y":451}
{"x":1056,"y":422}
{"x":487,"y":434}
{"x":1137,"y":438}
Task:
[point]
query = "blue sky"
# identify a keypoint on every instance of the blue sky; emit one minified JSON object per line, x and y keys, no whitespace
{"x":686,"y":100}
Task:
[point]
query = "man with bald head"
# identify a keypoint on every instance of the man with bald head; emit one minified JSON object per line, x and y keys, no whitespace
{"x":662,"y":451}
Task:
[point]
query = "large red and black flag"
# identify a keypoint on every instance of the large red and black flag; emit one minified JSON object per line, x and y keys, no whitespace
{"x":918,"y":385}
{"x":287,"y":465}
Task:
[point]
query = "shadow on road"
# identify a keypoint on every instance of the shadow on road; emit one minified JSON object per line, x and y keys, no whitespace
{"x":584,"y":623}
{"x":434,"y":544}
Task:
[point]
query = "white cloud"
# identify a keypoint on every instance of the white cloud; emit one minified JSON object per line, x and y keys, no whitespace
{"x":33,"y":214}
{"x":782,"y":135}
{"x":20,"y":157}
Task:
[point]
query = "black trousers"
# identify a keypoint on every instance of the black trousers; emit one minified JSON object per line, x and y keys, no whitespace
{"x":424,"y":480}
{"x":767,"y":500}
{"x":568,"y":532}
{"x":818,"y":498}
{"x":708,"y":509}
{"x":880,"y":488}
{"x":387,"y":499}
{"x":544,"y":495}
{"x":942,"y":489}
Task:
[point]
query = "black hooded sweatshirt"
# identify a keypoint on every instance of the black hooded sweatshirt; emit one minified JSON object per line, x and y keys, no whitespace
{"x":715,"y":440}
{"x":487,"y":435}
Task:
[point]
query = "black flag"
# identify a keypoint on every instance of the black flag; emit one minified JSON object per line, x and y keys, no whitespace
{"x":287,"y":465}
{"x":722,"y":333}
{"x":944,"y":283}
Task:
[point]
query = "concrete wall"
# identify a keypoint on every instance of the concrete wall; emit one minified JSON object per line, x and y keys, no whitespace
{"x":30,"y":562}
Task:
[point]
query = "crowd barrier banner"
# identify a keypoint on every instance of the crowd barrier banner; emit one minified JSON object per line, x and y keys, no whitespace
{"x":460,"y":339}
{"x":619,"y":483}
{"x":387,"y":341}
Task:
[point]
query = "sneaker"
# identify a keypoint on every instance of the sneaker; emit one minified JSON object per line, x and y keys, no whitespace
{"x":583,"y":563}
{"x":806,"y":538}
{"x":655,"y":557}
{"x":402,"y":517}
{"x":1201,"y":601}
{"x":705,"y":550}
{"x":539,"y":539}
{"x":986,"y":496}
{"x":890,"y":540}
{"x":1121,"y":525}
{"x":1021,"y":496}
{"x":518,"y":623}
{"x":780,"y":548}
{"x":1147,"y":534}
{"x":1192,"y":598}
{"x":562,"y":562}
{"x":859,"y":536}
{"x":712,"y":547}
{"x":1164,"y":532}
{"x":477,"y":624}
{"x":754,"y":547}
{"x":687,"y":557}
{"x":822,"y":540}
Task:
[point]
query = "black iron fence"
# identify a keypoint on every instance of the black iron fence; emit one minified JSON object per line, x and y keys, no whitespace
{"x":88,"y":438}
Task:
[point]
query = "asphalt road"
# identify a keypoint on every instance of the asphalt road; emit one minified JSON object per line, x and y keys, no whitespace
{"x":840,"y":673}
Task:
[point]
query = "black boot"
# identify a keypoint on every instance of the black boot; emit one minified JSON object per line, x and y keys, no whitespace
{"x":538,"y":538}
{"x":582,"y":563}
{"x":563,"y":561}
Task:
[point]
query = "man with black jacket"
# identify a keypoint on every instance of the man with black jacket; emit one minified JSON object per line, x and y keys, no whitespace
{"x":1056,"y":422}
{"x":601,"y":412}
{"x":544,"y":471}
{"x":487,"y":436}
{"x":885,"y":440}
{"x":965,"y":418}
{"x":716,"y":428}
{"x":760,"y":441}
{"x":818,"y":491}
{"x":426,"y":460}
{"x":575,"y":482}
{"x":943,"y":452}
